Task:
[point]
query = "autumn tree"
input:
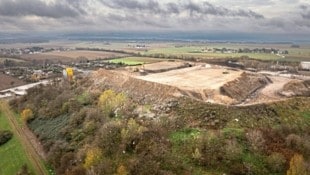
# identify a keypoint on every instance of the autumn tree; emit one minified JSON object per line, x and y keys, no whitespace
{"x":93,"y":156}
{"x":109,"y":101}
{"x":121,"y":170}
{"x":297,"y":166}
{"x":27,"y":115}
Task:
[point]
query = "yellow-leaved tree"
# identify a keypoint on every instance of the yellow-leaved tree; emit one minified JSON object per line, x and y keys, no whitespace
{"x":109,"y":101}
{"x":121,"y":170}
{"x":297,"y":166}
{"x":26,"y":114}
{"x":93,"y":157}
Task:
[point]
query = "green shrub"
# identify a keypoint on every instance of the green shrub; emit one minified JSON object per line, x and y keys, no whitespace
{"x":5,"y":136}
{"x":276,"y":163}
{"x":256,"y":140}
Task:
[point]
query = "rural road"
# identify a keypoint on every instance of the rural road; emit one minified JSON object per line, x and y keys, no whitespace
{"x":20,"y":133}
{"x":20,"y":90}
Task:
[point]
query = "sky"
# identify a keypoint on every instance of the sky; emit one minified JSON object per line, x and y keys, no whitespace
{"x":242,"y":16}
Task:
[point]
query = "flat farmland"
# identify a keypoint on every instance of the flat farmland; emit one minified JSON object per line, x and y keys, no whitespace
{"x":73,"y":55}
{"x":136,"y":60}
{"x":295,"y":54}
{"x":8,"y":82}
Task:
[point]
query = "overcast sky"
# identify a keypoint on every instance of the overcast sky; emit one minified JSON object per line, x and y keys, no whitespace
{"x":260,"y":16}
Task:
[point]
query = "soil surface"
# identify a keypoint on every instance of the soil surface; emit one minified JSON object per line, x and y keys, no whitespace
{"x":8,"y":82}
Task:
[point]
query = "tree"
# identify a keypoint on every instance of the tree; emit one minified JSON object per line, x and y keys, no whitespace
{"x":297,"y":166}
{"x":121,"y":170}
{"x":27,"y":115}
{"x":93,"y":156}
{"x":109,"y":101}
{"x":5,"y":136}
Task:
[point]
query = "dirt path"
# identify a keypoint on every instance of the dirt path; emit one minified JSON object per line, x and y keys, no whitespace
{"x":23,"y":136}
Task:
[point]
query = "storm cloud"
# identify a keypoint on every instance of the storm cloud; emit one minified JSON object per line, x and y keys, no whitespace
{"x":207,"y":15}
{"x":39,"y":8}
{"x":193,"y":8}
{"x":305,"y":11}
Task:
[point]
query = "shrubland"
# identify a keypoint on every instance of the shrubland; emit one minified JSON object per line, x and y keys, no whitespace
{"x":100,"y":131}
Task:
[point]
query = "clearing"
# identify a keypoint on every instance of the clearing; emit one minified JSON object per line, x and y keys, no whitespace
{"x":9,"y":81}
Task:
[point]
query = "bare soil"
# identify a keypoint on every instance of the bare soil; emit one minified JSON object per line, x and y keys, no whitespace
{"x":201,"y":82}
{"x":7,"y":82}
{"x":73,"y":55}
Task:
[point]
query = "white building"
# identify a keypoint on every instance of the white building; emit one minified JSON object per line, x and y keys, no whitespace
{"x":305,"y":65}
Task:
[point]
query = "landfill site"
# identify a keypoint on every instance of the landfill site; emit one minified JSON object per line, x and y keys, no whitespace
{"x":204,"y":82}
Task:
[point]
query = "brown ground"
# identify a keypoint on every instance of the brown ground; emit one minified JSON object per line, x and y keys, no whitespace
{"x":201,"y":82}
{"x":194,"y":78}
{"x":163,"y":66}
{"x":72,"y":55}
{"x":7,"y":82}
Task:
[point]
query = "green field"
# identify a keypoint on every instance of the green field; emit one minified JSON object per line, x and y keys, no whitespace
{"x":12,"y":154}
{"x":132,"y":61}
{"x":295,"y":54}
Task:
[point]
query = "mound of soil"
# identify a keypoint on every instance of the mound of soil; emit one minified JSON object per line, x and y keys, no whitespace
{"x":140,"y":90}
{"x":241,"y":88}
{"x":296,"y":88}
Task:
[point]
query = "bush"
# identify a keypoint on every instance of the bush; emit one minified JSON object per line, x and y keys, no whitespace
{"x":256,"y":140}
{"x":93,"y":157}
{"x":297,"y":166}
{"x":5,"y":136}
{"x":109,"y":101}
{"x":27,"y":115}
{"x":299,"y":144}
{"x":276,"y":162}
{"x":24,"y":171}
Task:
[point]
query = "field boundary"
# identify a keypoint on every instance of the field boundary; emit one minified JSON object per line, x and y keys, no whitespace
{"x":20,"y":134}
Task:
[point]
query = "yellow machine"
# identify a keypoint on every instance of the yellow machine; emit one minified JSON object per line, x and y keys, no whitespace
{"x":68,"y":73}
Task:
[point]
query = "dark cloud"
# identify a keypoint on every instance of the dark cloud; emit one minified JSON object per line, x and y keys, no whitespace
{"x":150,"y":5}
{"x":68,"y":8}
{"x":200,"y":9}
{"x":305,"y":11}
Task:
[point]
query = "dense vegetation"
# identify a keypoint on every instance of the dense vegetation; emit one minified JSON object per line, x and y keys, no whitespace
{"x":5,"y":136}
{"x":87,"y":131}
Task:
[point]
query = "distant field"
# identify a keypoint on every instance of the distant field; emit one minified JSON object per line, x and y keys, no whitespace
{"x":72,"y":55}
{"x":295,"y":54}
{"x":12,"y":154}
{"x":8,"y":82}
{"x":11,"y":59}
{"x":135,"y":60}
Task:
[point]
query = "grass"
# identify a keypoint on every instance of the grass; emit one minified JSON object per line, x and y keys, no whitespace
{"x":12,"y":154}
{"x":183,"y":135}
{"x":299,"y":54}
{"x":132,"y":61}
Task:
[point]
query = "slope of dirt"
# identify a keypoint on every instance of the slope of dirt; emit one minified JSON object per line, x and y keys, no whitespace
{"x":296,"y":88}
{"x":241,"y":88}
{"x":140,"y":90}
{"x":270,"y":93}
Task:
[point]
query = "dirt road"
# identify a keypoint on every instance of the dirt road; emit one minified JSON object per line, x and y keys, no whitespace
{"x":21,"y":135}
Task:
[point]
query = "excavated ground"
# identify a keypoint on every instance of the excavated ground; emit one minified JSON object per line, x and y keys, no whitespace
{"x":207,"y":83}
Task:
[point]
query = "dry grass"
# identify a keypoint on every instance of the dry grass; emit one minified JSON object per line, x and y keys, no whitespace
{"x":8,"y":82}
{"x":72,"y":55}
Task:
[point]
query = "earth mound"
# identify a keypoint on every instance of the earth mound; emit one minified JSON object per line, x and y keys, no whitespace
{"x":296,"y":88}
{"x":241,"y":88}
